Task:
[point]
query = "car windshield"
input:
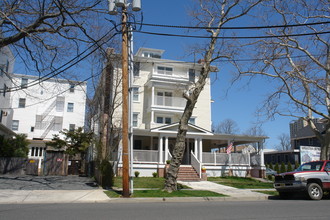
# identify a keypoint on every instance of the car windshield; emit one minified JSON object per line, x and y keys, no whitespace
{"x":311,"y":166}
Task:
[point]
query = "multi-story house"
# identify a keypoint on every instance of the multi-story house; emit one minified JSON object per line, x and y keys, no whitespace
{"x":40,"y":108}
{"x":157,"y":103}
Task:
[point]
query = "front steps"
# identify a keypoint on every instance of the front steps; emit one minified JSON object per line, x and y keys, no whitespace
{"x":188,"y":173}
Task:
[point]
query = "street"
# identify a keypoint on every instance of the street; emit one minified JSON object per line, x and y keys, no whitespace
{"x":271,"y":209}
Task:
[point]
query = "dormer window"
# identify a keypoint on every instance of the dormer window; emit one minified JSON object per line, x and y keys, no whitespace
{"x":151,"y":54}
{"x":164,"y":70}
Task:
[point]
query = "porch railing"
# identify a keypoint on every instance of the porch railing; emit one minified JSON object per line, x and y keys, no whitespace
{"x":226,"y":159}
{"x":145,"y":156}
{"x":196,"y":164}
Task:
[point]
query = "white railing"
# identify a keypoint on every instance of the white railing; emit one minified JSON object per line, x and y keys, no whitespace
{"x":226,"y":159}
{"x":145,"y":156}
{"x":196,"y":164}
{"x":169,"y":101}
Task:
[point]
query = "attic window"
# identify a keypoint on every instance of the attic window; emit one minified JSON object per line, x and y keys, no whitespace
{"x":152,"y":55}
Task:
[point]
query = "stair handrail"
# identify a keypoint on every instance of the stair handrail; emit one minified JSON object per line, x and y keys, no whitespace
{"x":196,"y":164}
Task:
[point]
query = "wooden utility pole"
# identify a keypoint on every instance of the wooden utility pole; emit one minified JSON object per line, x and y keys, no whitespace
{"x":125,"y":103}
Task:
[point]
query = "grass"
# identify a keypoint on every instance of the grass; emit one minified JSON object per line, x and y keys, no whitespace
{"x":161,"y":194}
{"x":146,"y":182}
{"x":241,"y":182}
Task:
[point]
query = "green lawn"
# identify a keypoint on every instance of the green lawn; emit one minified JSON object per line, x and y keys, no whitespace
{"x":146,"y":182}
{"x":241,"y":182}
{"x":161,"y":194}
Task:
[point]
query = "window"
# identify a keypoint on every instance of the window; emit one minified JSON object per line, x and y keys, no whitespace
{"x":164,"y":98}
{"x":32,"y":129}
{"x":135,"y":94}
{"x":150,"y":54}
{"x":191,"y":75}
{"x":192,"y":121}
{"x":15,"y":125}
{"x":21,"y":103}
{"x":24,"y":83}
{"x":59,"y":104}
{"x":135,"y":119}
{"x":164,"y":70}
{"x":136,"y":69}
{"x":70,"y":107}
{"x":71,"y":87}
{"x":72,"y":127}
{"x":163,"y":120}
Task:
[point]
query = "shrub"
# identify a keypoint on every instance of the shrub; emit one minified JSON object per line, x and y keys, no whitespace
{"x":154,"y":174}
{"x":296,"y":165}
{"x":136,"y":173}
{"x":283,"y":168}
{"x":289,"y":168}
{"x":271,"y":166}
{"x":277,"y":168}
{"x":107,"y":174}
{"x":270,"y":177}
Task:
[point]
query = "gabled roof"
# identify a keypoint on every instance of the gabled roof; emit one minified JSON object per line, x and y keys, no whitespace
{"x":173,"y":129}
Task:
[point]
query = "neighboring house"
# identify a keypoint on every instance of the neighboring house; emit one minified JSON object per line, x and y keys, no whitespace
{"x":301,"y":135}
{"x":39,"y":109}
{"x":157,"y":89}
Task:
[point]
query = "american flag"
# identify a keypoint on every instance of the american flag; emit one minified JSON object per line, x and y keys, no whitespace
{"x":229,"y":148}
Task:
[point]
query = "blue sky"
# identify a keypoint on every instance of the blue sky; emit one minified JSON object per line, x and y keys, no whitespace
{"x":237,"y":102}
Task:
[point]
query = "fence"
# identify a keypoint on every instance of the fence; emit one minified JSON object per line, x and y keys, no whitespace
{"x":18,"y":166}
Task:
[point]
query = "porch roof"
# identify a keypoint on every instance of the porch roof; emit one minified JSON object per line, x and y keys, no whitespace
{"x":220,"y":140}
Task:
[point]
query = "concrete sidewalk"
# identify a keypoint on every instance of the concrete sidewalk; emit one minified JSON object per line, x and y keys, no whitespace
{"x":98,"y":195}
{"x":52,"y":196}
{"x":233,"y":193}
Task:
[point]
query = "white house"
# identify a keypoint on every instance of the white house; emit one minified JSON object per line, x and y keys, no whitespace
{"x":40,"y":108}
{"x":157,"y":88}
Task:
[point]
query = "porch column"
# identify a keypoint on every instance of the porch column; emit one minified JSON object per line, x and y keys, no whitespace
{"x":152,"y":116}
{"x":151,"y":143}
{"x":200,"y":146}
{"x":160,"y":149}
{"x":166,"y":149}
{"x":196,"y":148}
{"x":152,"y":95}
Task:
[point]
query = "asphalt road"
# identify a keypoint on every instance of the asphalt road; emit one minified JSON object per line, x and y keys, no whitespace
{"x":272,"y":210}
{"x":29,"y":182}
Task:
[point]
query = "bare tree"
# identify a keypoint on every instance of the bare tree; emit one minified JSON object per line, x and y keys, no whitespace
{"x":227,"y":126}
{"x":212,"y":14}
{"x":296,"y":61}
{"x":256,"y":130}
{"x":285,"y":143}
{"x":45,"y":34}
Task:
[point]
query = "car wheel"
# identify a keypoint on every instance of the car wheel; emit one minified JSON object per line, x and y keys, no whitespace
{"x":314,"y":191}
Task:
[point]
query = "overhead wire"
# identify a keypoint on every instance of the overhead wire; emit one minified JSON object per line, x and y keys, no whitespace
{"x":235,"y":28}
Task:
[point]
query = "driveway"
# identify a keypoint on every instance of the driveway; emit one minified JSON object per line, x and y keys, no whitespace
{"x":28,"y":182}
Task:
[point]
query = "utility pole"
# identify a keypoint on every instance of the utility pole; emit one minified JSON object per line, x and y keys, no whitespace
{"x":136,"y":6}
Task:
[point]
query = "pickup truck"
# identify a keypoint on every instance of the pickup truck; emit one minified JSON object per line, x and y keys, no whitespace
{"x":312,"y":177}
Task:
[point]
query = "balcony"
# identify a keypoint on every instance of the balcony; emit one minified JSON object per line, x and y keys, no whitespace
{"x":168,"y":104}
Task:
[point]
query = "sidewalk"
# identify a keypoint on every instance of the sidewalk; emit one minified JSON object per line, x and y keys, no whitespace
{"x":233,"y":193}
{"x":98,"y":195}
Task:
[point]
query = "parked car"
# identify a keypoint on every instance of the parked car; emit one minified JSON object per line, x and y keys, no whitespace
{"x":312,"y":178}
{"x":270,"y":172}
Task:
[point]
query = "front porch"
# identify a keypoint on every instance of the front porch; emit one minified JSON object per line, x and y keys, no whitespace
{"x":151,"y":150}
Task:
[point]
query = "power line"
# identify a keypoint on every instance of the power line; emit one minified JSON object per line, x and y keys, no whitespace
{"x":51,"y":75}
{"x":236,"y":37}
{"x":235,"y":28}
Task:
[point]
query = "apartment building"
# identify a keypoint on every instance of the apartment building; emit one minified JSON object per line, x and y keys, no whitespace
{"x":157,"y":86}
{"x":39,"y":107}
